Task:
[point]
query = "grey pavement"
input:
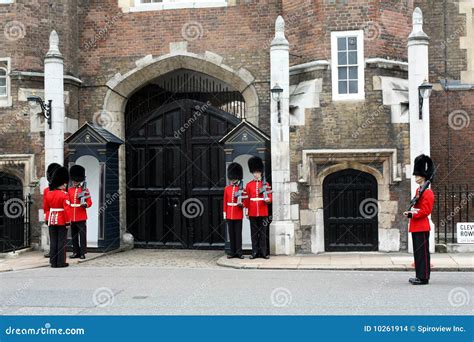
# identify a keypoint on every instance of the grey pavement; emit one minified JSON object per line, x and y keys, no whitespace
{"x":124,"y":288}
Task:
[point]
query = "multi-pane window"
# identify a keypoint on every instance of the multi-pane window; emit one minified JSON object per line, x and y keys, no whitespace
{"x":347,"y":51}
{"x":347,"y":65}
{"x":3,"y":82}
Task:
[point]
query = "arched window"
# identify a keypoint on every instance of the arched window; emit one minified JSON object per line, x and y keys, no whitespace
{"x":3,"y":82}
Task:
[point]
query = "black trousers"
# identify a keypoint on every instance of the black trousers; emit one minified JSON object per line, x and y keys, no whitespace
{"x":421,"y":251}
{"x":259,"y":235}
{"x":57,"y":243}
{"x":235,"y":237}
{"x":79,"y":237}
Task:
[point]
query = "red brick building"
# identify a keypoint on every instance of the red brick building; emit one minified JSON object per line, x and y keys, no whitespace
{"x":139,"y":68}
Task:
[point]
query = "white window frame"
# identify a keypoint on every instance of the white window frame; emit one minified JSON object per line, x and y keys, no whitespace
{"x":176,"y":4}
{"x":6,"y":100}
{"x":359,"y":34}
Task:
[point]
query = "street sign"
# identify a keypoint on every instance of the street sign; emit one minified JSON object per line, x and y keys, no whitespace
{"x":465,"y":232}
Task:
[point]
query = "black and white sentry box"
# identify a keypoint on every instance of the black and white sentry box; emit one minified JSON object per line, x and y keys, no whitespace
{"x":240,"y":144}
{"x":96,"y":149}
{"x":465,"y":232}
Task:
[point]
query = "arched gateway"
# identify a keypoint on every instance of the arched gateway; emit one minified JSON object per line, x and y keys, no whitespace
{"x":175,"y":166}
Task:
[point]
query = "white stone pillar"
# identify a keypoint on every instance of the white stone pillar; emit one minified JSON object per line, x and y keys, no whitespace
{"x":54,"y":90}
{"x":54,"y":137}
{"x":418,"y":72}
{"x":282,"y":232}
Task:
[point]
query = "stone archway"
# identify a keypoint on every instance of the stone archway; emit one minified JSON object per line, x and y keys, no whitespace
{"x":389,"y":239}
{"x":121,"y":87}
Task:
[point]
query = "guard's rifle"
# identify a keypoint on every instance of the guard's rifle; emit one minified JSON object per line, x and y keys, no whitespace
{"x":84,"y":194}
{"x":425,"y":186}
{"x":240,"y":194}
{"x":265,"y":189}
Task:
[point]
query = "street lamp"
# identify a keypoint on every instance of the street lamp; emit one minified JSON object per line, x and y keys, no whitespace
{"x":277,"y":91}
{"x":424,"y":92}
{"x":45,"y":107}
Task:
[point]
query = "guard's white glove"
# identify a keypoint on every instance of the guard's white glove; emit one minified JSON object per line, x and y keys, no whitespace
{"x":224,"y":215}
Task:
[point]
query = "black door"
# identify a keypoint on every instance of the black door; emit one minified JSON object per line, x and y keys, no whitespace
{"x":12,"y":213}
{"x":350,"y":211}
{"x":176,"y":176}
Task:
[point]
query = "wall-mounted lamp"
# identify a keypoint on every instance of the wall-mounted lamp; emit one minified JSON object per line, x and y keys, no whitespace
{"x":45,"y":107}
{"x":277,"y":91}
{"x":424,"y":93}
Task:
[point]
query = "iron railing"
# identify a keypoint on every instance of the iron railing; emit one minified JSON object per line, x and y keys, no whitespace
{"x":453,"y":204}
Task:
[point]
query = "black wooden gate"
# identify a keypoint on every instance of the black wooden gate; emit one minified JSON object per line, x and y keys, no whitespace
{"x":14,"y":214}
{"x":176,"y":176}
{"x":350,"y":211}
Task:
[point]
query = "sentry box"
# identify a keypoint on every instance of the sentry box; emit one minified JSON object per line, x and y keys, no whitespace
{"x":240,"y":144}
{"x":96,"y":149}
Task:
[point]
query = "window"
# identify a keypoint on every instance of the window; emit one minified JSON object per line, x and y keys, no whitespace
{"x":5,"y":94}
{"x":150,"y":5}
{"x":3,"y":82}
{"x":347,"y":54}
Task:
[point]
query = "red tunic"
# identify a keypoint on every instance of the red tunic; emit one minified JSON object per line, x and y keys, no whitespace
{"x":56,"y":204}
{"x":255,"y":202}
{"x":78,"y":213}
{"x":419,"y":221}
{"x":231,"y":209}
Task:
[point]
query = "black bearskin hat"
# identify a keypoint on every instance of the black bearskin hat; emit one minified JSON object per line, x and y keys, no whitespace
{"x":255,"y":164}
{"x":59,"y":177}
{"x":77,"y":173}
{"x":50,"y":170}
{"x":235,"y":171}
{"x":424,"y":167}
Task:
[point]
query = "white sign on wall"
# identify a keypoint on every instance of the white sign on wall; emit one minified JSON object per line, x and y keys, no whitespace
{"x":465,"y":232}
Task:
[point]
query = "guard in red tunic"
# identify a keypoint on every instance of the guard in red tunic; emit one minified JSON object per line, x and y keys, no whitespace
{"x":234,"y":195}
{"x":56,"y":204}
{"x":420,"y":209}
{"x":80,"y":200}
{"x":49,"y":173}
{"x":259,"y":197}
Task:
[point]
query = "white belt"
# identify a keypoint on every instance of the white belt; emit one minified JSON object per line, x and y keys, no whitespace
{"x":257,"y":199}
{"x":75,"y":205}
{"x":51,"y":211}
{"x":232,"y":204}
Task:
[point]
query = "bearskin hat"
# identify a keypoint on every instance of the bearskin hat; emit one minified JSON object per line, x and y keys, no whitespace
{"x":424,"y":167}
{"x":255,"y":164}
{"x":59,"y":177}
{"x":50,"y":170}
{"x":77,"y":173}
{"x":235,"y":171}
